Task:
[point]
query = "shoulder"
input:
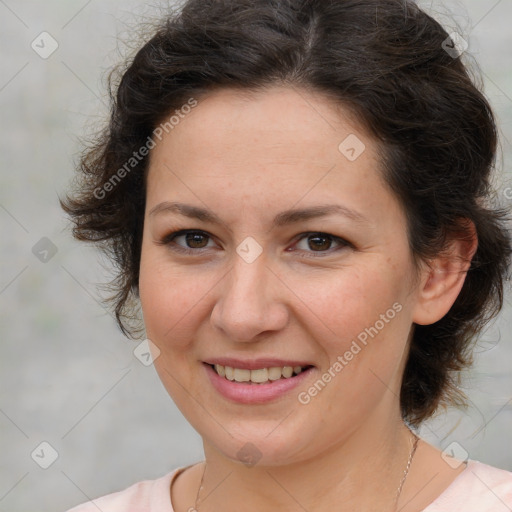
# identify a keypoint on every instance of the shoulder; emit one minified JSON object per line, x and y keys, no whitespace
{"x":479,"y":488}
{"x":147,"y":495}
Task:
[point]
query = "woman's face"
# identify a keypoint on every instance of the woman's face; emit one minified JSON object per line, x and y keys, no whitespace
{"x":297,"y":256}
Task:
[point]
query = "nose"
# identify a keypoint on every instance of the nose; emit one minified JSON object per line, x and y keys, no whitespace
{"x":250,"y":302}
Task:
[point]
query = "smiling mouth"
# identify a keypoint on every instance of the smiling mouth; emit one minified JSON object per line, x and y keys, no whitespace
{"x":258,"y":376}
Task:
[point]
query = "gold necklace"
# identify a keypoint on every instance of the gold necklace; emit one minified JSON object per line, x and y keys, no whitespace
{"x":398,"y":491}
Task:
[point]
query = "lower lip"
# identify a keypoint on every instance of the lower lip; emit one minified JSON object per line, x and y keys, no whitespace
{"x":246,"y":393}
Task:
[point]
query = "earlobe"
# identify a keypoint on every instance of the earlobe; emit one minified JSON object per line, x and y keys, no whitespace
{"x":443,"y":277}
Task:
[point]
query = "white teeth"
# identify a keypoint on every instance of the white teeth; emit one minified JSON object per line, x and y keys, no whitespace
{"x":274,"y":373}
{"x":259,"y":376}
{"x":287,"y":371}
{"x":242,"y":375}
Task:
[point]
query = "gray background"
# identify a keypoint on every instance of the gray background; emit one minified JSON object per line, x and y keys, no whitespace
{"x":68,"y":377}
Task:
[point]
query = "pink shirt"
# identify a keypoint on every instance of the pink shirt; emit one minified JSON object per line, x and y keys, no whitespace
{"x":479,"y":488}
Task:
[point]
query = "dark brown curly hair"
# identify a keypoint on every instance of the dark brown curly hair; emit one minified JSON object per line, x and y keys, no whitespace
{"x":385,"y":60}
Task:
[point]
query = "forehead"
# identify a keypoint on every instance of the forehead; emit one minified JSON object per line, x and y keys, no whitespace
{"x":277,"y":145}
{"x":277,"y":125}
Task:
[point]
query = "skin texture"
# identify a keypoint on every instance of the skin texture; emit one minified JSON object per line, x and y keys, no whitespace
{"x":246,"y":158}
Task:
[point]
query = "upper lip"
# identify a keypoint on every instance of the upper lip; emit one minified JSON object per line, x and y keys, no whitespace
{"x":256,"y":364}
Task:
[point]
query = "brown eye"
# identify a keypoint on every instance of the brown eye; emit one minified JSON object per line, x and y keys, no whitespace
{"x":320,"y":243}
{"x":196,"y":240}
{"x":187,"y":241}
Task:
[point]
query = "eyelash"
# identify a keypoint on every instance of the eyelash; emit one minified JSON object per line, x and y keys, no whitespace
{"x":168,"y":240}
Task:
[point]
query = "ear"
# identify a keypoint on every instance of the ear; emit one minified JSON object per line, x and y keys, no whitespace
{"x":442,"y":278}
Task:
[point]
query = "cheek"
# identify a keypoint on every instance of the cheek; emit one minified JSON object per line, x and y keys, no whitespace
{"x":163,"y":295}
{"x":172,"y":297}
{"x":361,"y":321}
{"x":170,"y":300}
{"x":361,"y":324}
{"x":346,"y":305}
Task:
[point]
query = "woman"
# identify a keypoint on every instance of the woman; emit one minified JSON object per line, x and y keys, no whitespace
{"x":296,"y":191}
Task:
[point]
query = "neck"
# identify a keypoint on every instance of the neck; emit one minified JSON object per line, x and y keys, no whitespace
{"x":362,"y":473}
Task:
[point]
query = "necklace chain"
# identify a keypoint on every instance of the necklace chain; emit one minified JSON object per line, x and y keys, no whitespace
{"x":398,"y":492}
{"x":406,"y":470}
{"x":200,"y":488}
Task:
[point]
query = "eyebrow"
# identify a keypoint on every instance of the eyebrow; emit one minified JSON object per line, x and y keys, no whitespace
{"x":281,"y":219}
